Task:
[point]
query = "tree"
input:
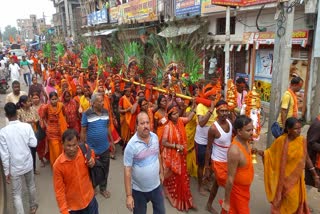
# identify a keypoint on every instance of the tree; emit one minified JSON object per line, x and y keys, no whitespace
{"x":9,"y":31}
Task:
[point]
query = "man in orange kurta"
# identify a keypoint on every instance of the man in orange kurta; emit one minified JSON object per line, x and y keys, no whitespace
{"x":71,"y":179}
{"x":240,"y":169}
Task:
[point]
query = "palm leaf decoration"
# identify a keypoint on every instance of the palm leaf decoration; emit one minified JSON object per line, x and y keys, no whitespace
{"x":192,"y":65}
{"x":87,"y":52}
{"x":59,"y":51}
{"x":47,"y":50}
{"x":132,"y":49}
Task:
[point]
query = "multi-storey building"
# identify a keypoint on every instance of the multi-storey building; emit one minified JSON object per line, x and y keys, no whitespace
{"x":67,"y":19}
{"x":29,"y":28}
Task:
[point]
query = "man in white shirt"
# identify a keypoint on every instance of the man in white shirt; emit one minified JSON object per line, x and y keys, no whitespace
{"x":15,"y":140}
{"x":14,"y":71}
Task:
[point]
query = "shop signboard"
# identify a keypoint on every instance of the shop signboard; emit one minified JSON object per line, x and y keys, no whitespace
{"x":241,"y":3}
{"x":207,"y":7}
{"x":138,"y":10}
{"x":299,"y":37}
{"x":187,"y":8}
{"x":98,"y":17}
{"x":114,"y":14}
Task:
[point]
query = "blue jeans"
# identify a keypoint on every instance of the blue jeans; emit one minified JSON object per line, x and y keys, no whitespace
{"x":27,"y":78}
{"x":92,"y":208}
{"x":142,"y":198}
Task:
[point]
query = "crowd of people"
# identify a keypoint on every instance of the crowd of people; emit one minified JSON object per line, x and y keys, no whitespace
{"x":164,"y":139}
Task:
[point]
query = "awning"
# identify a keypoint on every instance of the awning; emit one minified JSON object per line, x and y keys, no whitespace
{"x":100,"y":32}
{"x":173,"y":31}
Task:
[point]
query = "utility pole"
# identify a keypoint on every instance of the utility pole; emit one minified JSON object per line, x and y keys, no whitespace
{"x":314,"y":100}
{"x":227,"y":52}
{"x":281,"y":62}
{"x":71,"y":20}
{"x":66,"y":10}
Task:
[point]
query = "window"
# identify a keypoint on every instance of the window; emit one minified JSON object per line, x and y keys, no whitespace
{"x":221,"y":26}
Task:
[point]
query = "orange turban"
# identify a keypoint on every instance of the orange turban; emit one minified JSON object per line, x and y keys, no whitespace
{"x":210,"y":92}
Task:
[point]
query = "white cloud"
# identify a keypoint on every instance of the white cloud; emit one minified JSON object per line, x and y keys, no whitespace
{"x":11,"y":10}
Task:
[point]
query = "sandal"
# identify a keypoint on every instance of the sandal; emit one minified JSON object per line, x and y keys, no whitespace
{"x":113,"y":157}
{"x":34,"y":209}
{"x":105,"y":194}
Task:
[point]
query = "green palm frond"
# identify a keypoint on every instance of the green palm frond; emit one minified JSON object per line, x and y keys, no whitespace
{"x":59,"y":51}
{"x":132,"y":49}
{"x":87,"y":52}
{"x":47,"y":50}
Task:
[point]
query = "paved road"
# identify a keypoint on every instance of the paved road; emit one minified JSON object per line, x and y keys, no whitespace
{"x":116,"y":204}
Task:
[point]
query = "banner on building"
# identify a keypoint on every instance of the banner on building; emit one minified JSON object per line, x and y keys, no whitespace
{"x":136,"y":10}
{"x":188,"y":8}
{"x":241,"y":3}
{"x":98,"y":17}
{"x":207,"y":7}
{"x":299,"y":37}
{"x":114,"y":14}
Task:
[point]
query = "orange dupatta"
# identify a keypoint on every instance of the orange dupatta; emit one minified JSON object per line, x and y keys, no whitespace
{"x":284,"y":164}
{"x":295,"y":103}
{"x":58,"y":111}
{"x":127,"y":104}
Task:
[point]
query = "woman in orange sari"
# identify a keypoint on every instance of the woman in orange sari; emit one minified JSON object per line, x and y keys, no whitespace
{"x":284,"y":164}
{"x":71,"y":111}
{"x":55,"y":124}
{"x":160,"y":117}
{"x":174,"y":151}
{"x":125,"y":106}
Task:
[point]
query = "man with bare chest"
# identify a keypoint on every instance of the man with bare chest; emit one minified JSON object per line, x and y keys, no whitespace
{"x":219,"y":140}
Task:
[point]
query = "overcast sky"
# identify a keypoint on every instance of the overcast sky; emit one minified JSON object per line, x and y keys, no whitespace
{"x":11,"y":10}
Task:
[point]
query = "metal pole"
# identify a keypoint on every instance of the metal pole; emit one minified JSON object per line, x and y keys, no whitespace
{"x":71,"y":20}
{"x":66,"y":10}
{"x":227,"y":52}
{"x":281,"y":65}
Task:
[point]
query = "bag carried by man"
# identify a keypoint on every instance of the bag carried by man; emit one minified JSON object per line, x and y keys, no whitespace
{"x":276,"y":130}
{"x":97,"y":172}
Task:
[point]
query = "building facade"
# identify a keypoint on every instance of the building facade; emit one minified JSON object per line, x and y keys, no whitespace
{"x":67,"y":19}
{"x":252,"y":29}
{"x":29,"y":28}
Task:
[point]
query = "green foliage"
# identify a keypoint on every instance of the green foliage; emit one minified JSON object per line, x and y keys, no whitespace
{"x":131,"y":49}
{"x":47,"y":50}
{"x":180,"y":53}
{"x":87,"y":52}
{"x":192,"y":65}
{"x":59,"y":51}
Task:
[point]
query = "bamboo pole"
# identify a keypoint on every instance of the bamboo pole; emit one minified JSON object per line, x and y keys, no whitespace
{"x":159,"y":89}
